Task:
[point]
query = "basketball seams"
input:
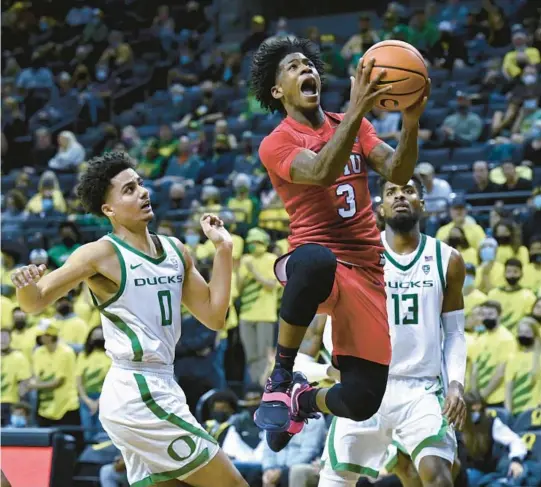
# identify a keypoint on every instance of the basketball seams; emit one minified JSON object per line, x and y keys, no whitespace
{"x":399,"y":46}
{"x":381,"y":66}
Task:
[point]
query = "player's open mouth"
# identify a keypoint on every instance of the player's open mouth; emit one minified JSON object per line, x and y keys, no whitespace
{"x":146,"y":205}
{"x":309,"y":87}
{"x":401,"y":207}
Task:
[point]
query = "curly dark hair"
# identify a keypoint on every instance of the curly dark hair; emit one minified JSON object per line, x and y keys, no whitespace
{"x":416,"y":181}
{"x":265,"y":67}
{"x":96,"y":180}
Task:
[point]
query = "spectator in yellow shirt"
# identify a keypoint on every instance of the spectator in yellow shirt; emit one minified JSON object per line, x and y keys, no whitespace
{"x":523,"y":372}
{"x":505,"y":234}
{"x":457,"y":239}
{"x":91,"y":369}
{"x":473,"y":325}
{"x":515,"y":60}
{"x":532,"y":270}
{"x":15,"y":373}
{"x":494,"y":348}
{"x":6,"y":312}
{"x":472,"y":296}
{"x":23,"y":336}
{"x":72,"y":329}
{"x":54,"y":379}
{"x":473,"y":232}
{"x":258,"y":301}
{"x":536,"y":310}
{"x":490,"y":273}
{"x":244,"y":206}
{"x":515,"y":300}
{"x":49,"y":197}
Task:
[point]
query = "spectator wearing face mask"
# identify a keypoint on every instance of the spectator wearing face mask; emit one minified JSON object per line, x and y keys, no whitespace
{"x":119,"y":53}
{"x":522,"y":55}
{"x":21,"y":413}
{"x":15,"y":370}
{"x":494,"y":349}
{"x":23,"y":335}
{"x":49,"y":198}
{"x":526,"y":93}
{"x":490,"y":273}
{"x":473,"y":232}
{"x":54,"y":379}
{"x":536,"y":310}
{"x":72,"y":329}
{"x":449,"y":51}
{"x":219,"y":167}
{"x":70,"y":240}
{"x":523,"y":373}
{"x":258,"y":301}
{"x":473,"y":297}
{"x":505,"y":234}
{"x":480,"y":434}
{"x":532,"y":145}
{"x":242,"y":204}
{"x":91,"y":368}
{"x":513,"y":298}
{"x":531,"y":278}
{"x":457,"y":239}
{"x":184,"y":165}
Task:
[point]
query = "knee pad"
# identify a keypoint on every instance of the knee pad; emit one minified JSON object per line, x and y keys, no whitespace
{"x":310,"y":274}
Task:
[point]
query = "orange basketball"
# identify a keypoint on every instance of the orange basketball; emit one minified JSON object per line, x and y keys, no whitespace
{"x":405,"y":70}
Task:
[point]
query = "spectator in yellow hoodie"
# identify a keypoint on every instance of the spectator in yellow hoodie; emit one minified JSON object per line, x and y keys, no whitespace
{"x":49,"y":198}
{"x":490,"y":274}
{"x":532,"y":271}
{"x":457,"y":239}
{"x":506,"y":234}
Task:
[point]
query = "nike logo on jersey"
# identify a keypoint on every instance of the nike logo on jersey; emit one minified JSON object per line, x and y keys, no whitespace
{"x":132,"y":267}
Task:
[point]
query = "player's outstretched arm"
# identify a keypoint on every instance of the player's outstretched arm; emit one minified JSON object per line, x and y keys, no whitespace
{"x":209,"y":302}
{"x":398,"y":165}
{"x":36,"y":291}
{"x":454,"y":344}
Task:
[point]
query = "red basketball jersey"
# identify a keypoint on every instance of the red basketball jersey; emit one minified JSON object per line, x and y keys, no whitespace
{"x":339,"y":217}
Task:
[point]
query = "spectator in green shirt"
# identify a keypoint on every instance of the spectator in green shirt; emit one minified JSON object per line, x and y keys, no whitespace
{"x":390,"y":21}
{"x":153,"y":164}
{"x":424,"y":34}
{"x":70,"y":240}
{"x":335,"y":65}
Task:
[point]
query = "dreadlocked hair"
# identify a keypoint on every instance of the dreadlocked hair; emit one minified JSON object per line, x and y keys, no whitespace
{"x":96,"y":180}
{"x":265,"y":67}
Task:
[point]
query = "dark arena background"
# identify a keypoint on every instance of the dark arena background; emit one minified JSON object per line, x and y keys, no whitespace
{"x":169,"y":83}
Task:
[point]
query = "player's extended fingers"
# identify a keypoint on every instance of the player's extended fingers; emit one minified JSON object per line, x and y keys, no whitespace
{"x":17,"y":280}
{"x":367,"y":71}
{"x":34,"y":272}
{"x":359,"y":70}
{"x":428,"y":87}
{"x":381,"y":91}
{"x":42,"y":268}
{"x":27,"y":275}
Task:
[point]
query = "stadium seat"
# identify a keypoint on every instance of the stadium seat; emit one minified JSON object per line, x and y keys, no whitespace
{"x":148,"y":131}
{"x":438,"y":76}
{"x":528,"y":420}
{"x":436,"y":157}
{"x":461,"y":180}
{"x":465,"y":74}
{"x":440,"y":96}
{"x":470,"y":154}
{"x":502,"y":413}
{"x":433,"y":118}
{"x":532,"y":440}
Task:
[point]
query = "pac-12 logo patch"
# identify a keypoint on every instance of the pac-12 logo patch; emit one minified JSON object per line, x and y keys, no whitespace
{"x":426,"y":269}
{"x":175,"y":263}
{"x":382,"y":260}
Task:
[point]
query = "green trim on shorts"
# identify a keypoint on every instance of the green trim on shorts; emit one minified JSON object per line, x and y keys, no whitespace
{"x":136,"y":346}
{"x":155,"y":478}
{"x":346,"y":467}
{"x":434,"y":438}
{"x":161,"y":413}
{"x":177,"y":250}
{"x":417,"y":256}
{"x":439,"y":262}
{"x":391,"y":463}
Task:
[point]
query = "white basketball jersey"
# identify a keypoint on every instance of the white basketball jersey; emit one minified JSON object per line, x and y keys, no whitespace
{"x":142,"y":322}
{"x":415,"y":286}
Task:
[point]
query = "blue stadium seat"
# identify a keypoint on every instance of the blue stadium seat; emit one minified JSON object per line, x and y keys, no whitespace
{"x":465,"y":74}
{"x":148,"y":131}
{"x":434,"y":156}
{"x":528,"y":420}
{"x":532,"y":440}
{"x":461,"y":180}
{"x":470,"y":154}
{"x":337,"y":84}
{"x":238,"y":106}
{"x":502,"y":413}
{"x":440,"y":96}
{"x":331,"y":101}
{"x":438,"y":76}
{"x":268,"y":124}
{"x":257,"y":138}
{"x":434,"y":117}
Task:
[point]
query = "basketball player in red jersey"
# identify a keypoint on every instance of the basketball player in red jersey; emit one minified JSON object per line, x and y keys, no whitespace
{"x":318,"y":164}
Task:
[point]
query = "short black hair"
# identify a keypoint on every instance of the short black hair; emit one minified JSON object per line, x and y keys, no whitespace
{"x":265,"y":67}
{"x":492,"y":304}
{"x":416,"y":181}
{"x":96,"y":180}
{"x":513,"y":262}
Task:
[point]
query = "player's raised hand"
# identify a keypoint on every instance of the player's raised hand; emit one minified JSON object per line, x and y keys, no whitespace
{"x":364,"y":92}
{"x":455,"y":406}
{"x":413,"y":113}
{"x":29,"y":274}
{"x":214,"y":229}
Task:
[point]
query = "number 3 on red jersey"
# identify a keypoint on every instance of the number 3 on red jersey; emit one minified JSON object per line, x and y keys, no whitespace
{"x":351,"y":206}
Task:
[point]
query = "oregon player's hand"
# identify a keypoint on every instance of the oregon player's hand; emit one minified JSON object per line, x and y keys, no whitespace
{"x":214,"y":229}
{"x":29,"y":274}
{"x":455,"y":406}
{"x":363,"y":92}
